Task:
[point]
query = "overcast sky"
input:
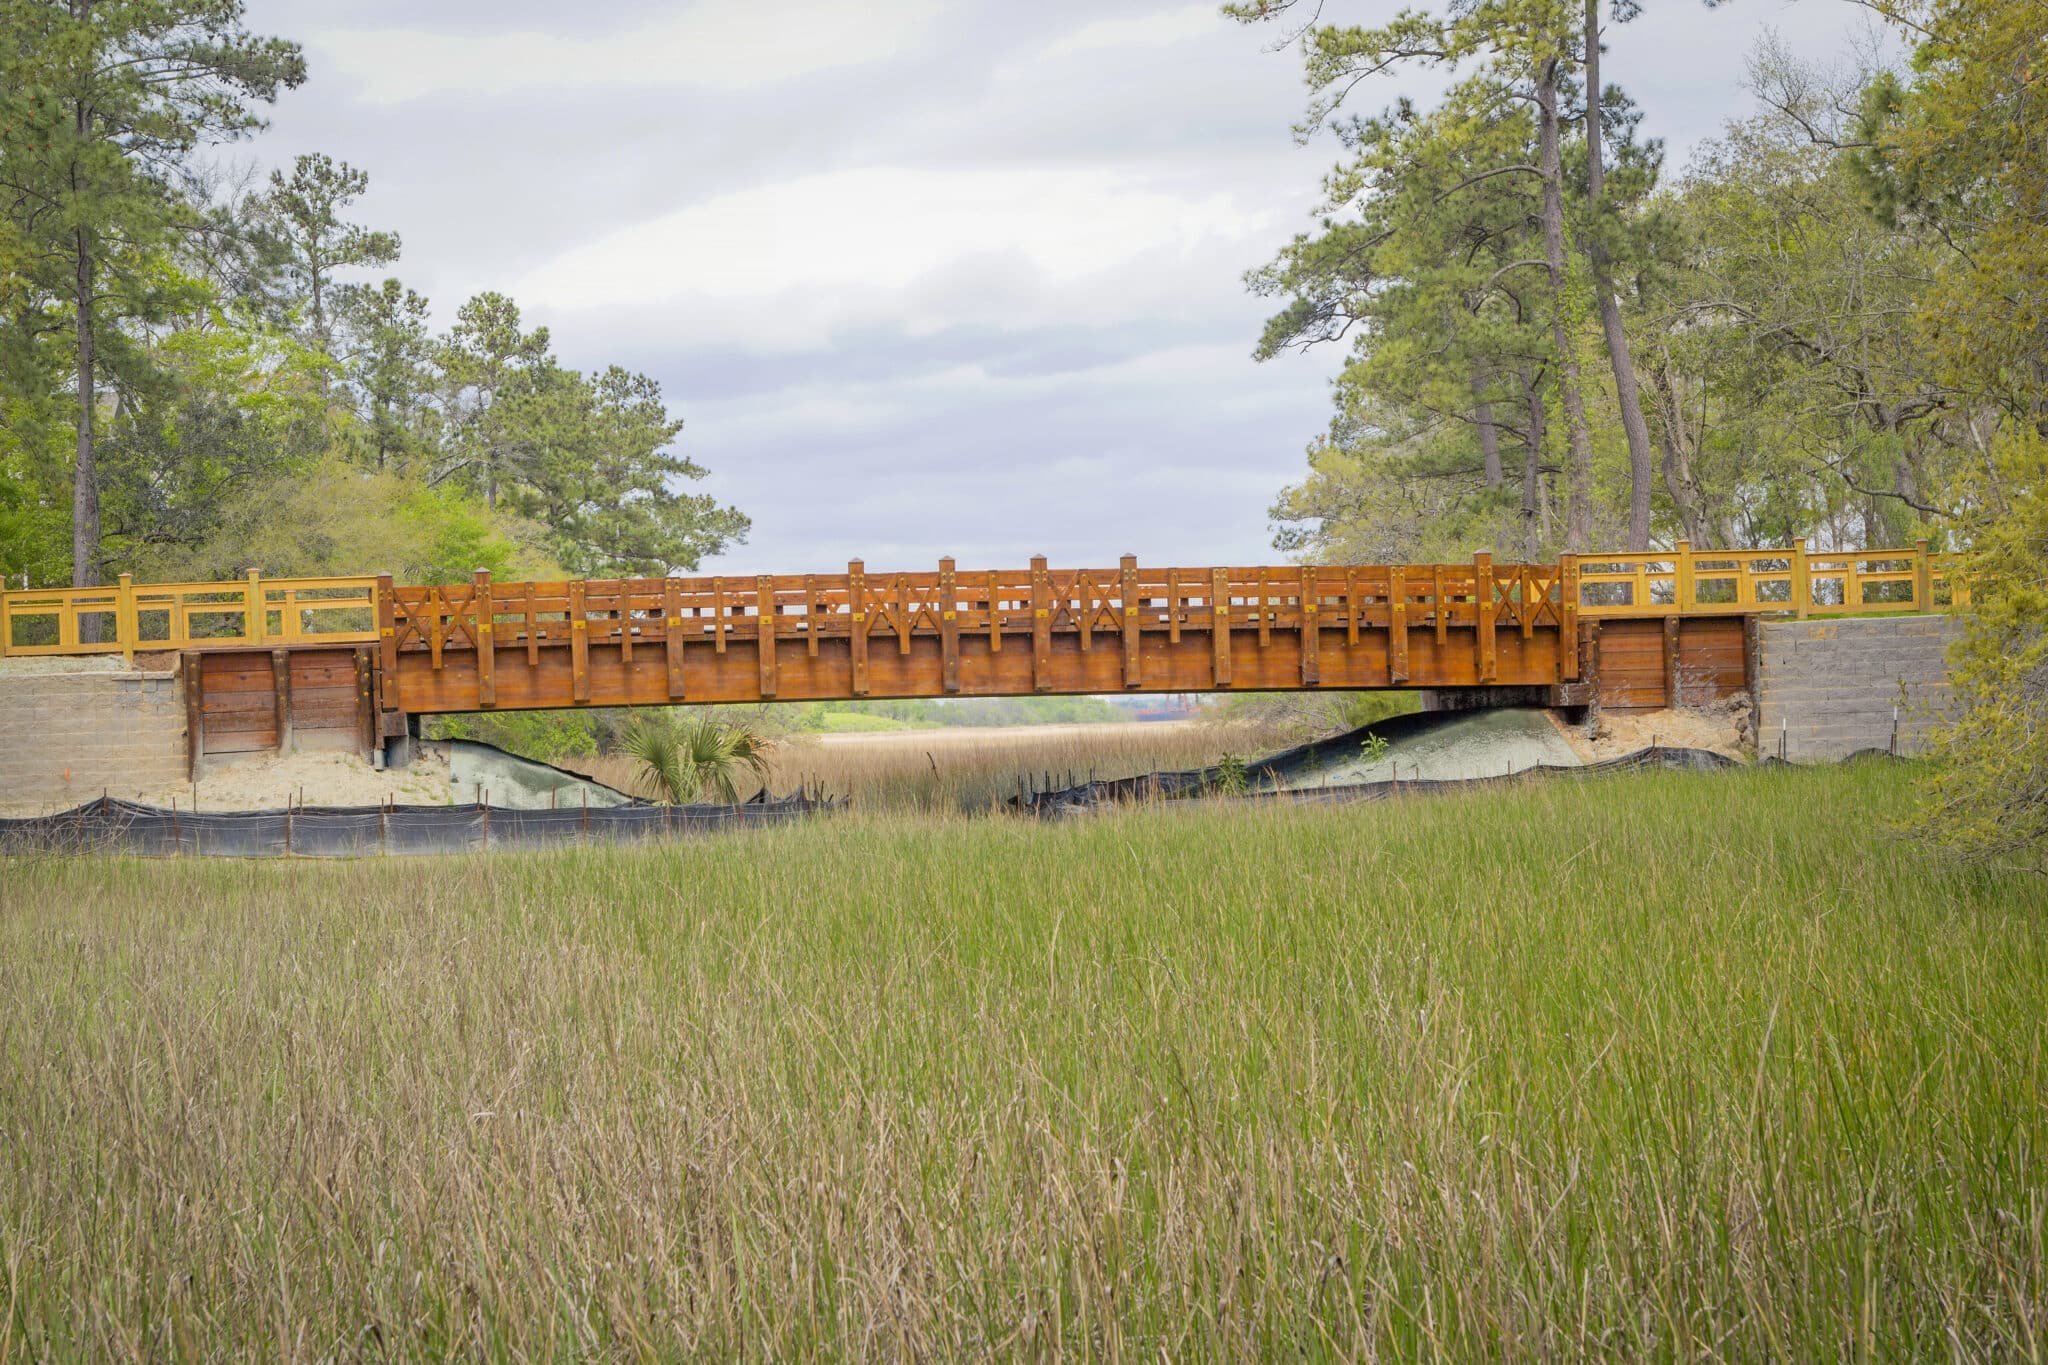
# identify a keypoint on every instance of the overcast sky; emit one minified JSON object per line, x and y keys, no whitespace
{"x":922,"y":277}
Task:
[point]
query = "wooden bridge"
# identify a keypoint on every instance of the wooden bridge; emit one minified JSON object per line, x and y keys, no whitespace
{"x":271,"y":662}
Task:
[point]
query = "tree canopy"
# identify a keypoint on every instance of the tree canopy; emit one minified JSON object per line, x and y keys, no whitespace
{"x":199,"y":376}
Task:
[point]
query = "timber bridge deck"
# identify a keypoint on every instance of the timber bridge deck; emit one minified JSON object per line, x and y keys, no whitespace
{"x":271,"y":662}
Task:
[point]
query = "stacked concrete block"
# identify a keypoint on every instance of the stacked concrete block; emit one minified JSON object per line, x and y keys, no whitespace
{"x":68,"y":736}
{"x":1829,"y":688}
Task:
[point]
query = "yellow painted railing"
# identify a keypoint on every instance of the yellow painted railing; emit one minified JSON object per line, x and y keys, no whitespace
{"x":1794,"y":580}
{"x":124,"y":617}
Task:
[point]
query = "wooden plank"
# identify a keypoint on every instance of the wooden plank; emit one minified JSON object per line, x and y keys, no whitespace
{"x":1311,"y":628}
{"x":1439,"y":606}
{"x":672,"y":636}
{"x":764,"y":632}
{"x":1802,"y":586}
{"x":949,"y":628}
{"x":902,"y":615}
{"x":856,"y":601}
{"x":1173,"y":606}
{"x":1397,"y":624}
{"x":1041,"y":626}
{"x":718,"y":615}
{"x":1127,"y":599}
{"x":579,"y":646}
{"x":1351,"y":607}
{"x":1526,"y":608}
{"x":1483,"y":598}
{"x":1265,"y":611}
{"x":1219,"y":627}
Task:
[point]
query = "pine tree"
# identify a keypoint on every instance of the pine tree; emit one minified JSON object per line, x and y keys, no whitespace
{"x":102,"y":105}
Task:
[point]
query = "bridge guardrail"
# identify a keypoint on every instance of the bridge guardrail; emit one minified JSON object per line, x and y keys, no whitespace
{"x":1792,"y":580}
{"x":257,"y":612}
{"x":126,"y":617}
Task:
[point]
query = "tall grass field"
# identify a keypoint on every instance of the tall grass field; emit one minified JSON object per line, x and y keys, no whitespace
{"x":1667,"y":1066}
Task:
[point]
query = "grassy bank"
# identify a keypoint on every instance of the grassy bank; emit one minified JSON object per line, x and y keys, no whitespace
{"x":1673,"y":1065}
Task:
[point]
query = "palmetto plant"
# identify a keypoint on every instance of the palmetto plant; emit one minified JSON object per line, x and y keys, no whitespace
{"x":698,"y":759}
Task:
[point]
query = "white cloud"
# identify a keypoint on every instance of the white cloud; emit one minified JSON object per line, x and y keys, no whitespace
{"x":715,"y":46}
{"x":1149,"y":30}
{"x":785,"y":266}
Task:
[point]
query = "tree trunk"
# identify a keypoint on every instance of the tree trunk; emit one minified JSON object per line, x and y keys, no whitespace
{"x":1532,"y":471}
{"x":1678,"y":475}
{"x":1578,"y":532}
{"x":1489,"y":435}
{"x":85,"y":489}
{"x":1626,"y":395}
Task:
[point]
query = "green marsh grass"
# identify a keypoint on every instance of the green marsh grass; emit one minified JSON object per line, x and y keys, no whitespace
{"x":1713,"y":1067}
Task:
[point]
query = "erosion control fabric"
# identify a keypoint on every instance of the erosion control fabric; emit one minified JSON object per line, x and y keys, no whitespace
{"x":112,"y":826}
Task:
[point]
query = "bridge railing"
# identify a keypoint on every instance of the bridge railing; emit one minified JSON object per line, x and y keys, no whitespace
{"x":257,"y":612}
{"x":1793,"y":580}
{"x":124,"y":617}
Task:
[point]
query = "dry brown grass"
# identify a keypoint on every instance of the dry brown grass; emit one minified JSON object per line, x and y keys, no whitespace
{"x":1670,"y":1066}
{"x":967,"y":768}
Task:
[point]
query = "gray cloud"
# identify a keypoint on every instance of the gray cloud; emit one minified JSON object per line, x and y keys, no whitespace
{"x":966,"y":281}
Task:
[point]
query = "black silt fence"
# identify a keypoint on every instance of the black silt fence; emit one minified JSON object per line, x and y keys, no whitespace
{"x":113,"y":826}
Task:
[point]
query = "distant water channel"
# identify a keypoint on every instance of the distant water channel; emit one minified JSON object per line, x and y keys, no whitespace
{"x":1448,"y":747}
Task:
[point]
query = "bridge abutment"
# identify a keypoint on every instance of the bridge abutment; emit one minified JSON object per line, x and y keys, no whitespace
{"x":1826,"y":689}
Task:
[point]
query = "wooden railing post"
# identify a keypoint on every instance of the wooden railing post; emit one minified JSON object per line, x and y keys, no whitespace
{"x":764,"y":631}
{"x":125,"y":625}
{"x":857,"y":628}
{"x":1219,"y":626}
{"x":949,"y":627}
{"x":1127,"y":595}
{"x":1482,"y":597}
{"x":1568,"y":616}
{"x":1923,"y":578}
{"x":486,"y":638}
{"x":252,"y":610}
{"x":1684,"y":588}
{"x":387,"y":642}
{"x":1041,"y":625}
{"x":1311,"y":627}
{"x":812,"y":612}
{"x":579,"y":644}
{"x":672,"y":635}
{"x":1397,"y":623}
{"x":1802,"y":586}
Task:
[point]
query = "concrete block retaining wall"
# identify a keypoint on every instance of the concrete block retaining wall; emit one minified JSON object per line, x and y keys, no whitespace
{"x":1829,"y":688}
{"x":67,"y":734}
